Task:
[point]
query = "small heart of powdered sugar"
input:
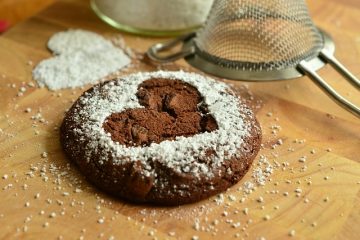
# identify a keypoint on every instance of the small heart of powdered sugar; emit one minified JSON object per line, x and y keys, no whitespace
{"x":82,"y":57}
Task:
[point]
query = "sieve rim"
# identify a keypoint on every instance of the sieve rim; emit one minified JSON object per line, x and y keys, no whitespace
{"x":200,"y":61}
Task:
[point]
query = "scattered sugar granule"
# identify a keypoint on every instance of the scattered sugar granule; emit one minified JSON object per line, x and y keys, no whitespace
{"x":229,"y":220}
{"x":9,"y":186}
{"x":44,"y":155}
{"x":232,"y":198}
{"x":195,"y":237}
{"x":302,"y":159}
{"x":196,"y":225}
{"x":292,"y":233}
{"x":52,"y":215}
{"x":269,"y":114}
{"x":236,"y":225}
{"x":266,"y":217}
{"x":28,"y":219}
{"x":298,"y":190}
{"x":5,"y":176}
{"x":83,"y":58}
{"x":248,"y":187}
{"x":101,"y":220}
{"x":65,"y":194}
{"x":246,"y":211}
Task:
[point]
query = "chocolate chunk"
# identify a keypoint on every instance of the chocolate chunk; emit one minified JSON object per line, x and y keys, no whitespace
{"x":139,"y":134}
{"x":208,"y":123}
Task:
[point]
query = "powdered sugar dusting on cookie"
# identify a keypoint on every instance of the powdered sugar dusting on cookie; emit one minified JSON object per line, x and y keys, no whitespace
{"x":184,"y":154}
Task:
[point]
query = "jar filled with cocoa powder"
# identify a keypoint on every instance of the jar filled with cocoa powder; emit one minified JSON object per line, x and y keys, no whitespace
{"x":153,"y":17}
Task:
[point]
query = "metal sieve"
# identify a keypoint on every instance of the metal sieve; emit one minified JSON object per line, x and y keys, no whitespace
{"x":260,"y":40}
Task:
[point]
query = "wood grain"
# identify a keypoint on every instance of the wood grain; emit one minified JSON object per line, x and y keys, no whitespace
{"x":297,"y":112}
{"x":14,"y":11}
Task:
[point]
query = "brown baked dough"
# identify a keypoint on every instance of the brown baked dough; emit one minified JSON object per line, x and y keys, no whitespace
{"x":171,"y":108}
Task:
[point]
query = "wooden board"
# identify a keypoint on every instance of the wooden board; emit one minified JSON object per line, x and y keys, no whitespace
{"x":315,"y":199}
{"x":16,"y":11}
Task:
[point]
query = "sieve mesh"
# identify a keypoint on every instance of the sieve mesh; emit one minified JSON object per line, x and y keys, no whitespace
{"x":257,"y":35}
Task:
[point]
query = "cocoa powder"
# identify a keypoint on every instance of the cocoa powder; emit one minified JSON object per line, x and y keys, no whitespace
{"x":171,"y":109}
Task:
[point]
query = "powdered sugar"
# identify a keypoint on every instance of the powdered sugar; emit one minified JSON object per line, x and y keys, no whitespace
{"x":85,"y":57}
{"x":75,"y":39}
{"x":184,"y":154}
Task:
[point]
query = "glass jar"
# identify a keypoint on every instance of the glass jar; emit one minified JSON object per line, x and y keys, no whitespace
{"x":153,"y":17}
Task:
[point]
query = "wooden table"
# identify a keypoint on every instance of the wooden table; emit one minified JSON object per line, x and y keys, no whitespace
{"x":15,"y":11}
{"x":47,"y":198}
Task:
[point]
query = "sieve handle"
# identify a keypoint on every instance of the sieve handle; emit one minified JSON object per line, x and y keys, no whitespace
{"x":329,"y":58}
{"x":307,"y":69}
{"x":155,"y":50}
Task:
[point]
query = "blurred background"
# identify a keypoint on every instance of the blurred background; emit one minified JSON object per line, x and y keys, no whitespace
{"x":14,"y":11}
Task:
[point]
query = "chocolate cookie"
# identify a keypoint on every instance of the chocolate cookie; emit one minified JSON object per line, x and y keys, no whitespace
{"x":162,"y":137}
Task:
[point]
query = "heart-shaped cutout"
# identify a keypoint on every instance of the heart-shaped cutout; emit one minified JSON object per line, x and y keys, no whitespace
{"x":172,"y":108}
